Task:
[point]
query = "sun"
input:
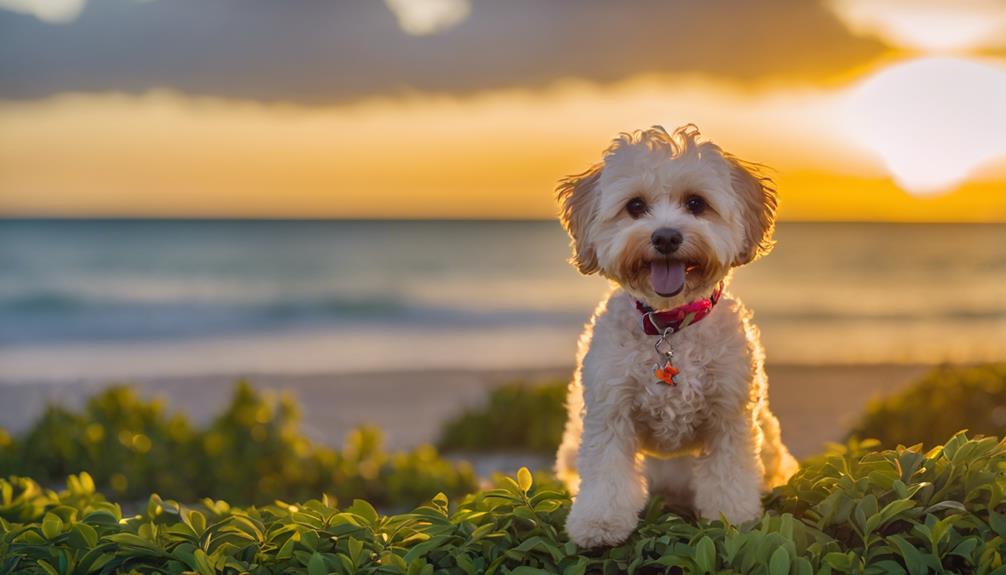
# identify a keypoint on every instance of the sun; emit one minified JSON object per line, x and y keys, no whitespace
{"x":932,"y":121}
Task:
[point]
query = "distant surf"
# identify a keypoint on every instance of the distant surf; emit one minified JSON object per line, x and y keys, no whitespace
{"x":209,"y":294}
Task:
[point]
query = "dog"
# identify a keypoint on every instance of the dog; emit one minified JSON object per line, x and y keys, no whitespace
{"x":669,"y":394}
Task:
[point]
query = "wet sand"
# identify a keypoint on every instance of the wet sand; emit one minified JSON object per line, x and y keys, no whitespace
{"x":814,"y":403}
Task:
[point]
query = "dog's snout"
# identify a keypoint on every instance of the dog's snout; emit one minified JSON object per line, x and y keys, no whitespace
{"x":666,"y":240}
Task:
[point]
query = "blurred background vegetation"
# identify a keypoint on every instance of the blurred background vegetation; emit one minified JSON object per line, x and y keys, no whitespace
{"x":253,"y":452}
{"x":943,"y":402}
{"x":516,"y":417}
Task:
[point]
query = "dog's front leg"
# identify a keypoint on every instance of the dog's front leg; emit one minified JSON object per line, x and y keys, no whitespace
{"x":612,"y":485}
{"x":728,"y":478}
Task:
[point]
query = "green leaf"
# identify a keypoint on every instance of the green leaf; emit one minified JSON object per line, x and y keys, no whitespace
{"x":286,"y":550}
{"x":86,"y":533}
{"x":346,"y":563}
{"x":998,"y":523}
{"x":195,"y":520}
{"x":154,"y":506}
{"x":943,"y":505}
{"x":28,"y":537}
{"x":838,"y":561}
{"x":86,"y":483}
{"x":465,"y":564}
{"x":419,"y":567}
{"x":705,"y":555}
{"x":953,"y":444}
{"x":129,"y":539}
{"x":886,"y":567}
{"x":578,"y":568}
{"x":202,"y":563}
{"x":547,"y":506}
{"x":896,"y":507}
{"x":316,"y":566}
{"x":524,"y":479}
{"x":480,"y":531}
{"x":965,"y":547}
{"x":355,"y":550}
{"x":102,"y":517}
{"x":364,"y":510}
{"x":914,"y":560}
{"x":52,"y":526}
{"x":49,"y":569}
{"x":779,"y":563}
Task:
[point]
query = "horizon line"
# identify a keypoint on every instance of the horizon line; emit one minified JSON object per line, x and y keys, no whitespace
{"x":444,"y":219}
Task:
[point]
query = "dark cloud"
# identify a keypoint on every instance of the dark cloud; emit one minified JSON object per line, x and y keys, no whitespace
{"x":336,"y":50}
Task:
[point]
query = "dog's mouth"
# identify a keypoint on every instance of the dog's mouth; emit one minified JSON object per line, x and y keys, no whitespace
{"x":667,"y":276}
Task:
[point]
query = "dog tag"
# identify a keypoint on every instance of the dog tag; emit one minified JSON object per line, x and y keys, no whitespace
{"x":665,"y":370}
{"x":666,"y":373}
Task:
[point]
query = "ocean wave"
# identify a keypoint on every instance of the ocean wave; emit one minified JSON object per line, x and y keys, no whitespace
{"x":59,"y":317}
{"x":43,"y":302}
{"x":63,"y":317}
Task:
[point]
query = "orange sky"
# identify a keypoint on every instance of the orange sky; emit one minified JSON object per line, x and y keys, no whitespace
{"x":862,"y":145}
{"x":494,"y":156}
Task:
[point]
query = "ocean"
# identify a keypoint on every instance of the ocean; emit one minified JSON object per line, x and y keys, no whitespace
{"x":115,"y":299}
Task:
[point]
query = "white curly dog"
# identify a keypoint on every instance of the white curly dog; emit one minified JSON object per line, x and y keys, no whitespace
{"x":670,"y":391}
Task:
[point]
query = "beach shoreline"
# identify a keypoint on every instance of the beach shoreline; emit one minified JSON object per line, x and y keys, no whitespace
{"x":815,"y":404}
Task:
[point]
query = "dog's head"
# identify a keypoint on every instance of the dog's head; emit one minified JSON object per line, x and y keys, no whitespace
{"x":667,"y":216}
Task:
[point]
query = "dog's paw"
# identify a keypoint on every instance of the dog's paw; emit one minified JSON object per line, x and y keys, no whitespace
{"x":742,"y":510}
{"x":592,"y":527}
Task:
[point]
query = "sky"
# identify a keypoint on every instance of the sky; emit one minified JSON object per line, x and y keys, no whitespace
{"x":862,"y":109}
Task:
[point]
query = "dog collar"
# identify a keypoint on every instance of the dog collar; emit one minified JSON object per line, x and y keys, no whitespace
{"x":676,"y":319}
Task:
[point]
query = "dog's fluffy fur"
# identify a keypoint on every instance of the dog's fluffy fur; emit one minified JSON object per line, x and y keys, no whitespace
{"x":709,"y":442}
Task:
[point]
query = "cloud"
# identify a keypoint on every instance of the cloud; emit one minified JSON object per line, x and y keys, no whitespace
{"x":320,"y":52}
{"x":929,"y":25}
{"x":424,"y":17}
{"x":51,"y":11}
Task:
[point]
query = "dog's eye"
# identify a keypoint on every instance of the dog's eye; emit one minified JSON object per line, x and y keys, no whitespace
{"x":636,"y":207}
{"x":695,"y":204}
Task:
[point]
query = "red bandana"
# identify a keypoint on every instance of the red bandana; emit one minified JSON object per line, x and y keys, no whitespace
{"x":677,"y":319}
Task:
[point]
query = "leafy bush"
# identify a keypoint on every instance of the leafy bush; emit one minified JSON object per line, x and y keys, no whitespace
{"x":945,"y":400}
{"x":516,"y":417}
{"x":852,"y":511}
{"x":129,"y":445}
{"x":252,"y":453}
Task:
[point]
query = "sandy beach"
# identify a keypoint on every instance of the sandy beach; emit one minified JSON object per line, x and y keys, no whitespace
{"x":814,"y":403}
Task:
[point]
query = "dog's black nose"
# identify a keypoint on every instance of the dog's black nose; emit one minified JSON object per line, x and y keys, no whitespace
{"x":666,"y":240}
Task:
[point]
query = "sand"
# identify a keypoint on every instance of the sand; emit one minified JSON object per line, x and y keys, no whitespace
{"x":814,"y":403}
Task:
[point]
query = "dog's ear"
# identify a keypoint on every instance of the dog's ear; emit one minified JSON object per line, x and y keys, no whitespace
{"x":759,"y":201}
{"x":577,"y":196}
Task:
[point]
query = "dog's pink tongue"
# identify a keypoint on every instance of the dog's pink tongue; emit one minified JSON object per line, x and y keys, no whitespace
{"x":667,"y":277}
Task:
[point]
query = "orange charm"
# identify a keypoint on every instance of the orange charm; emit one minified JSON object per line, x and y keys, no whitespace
{"x":666,"y":374}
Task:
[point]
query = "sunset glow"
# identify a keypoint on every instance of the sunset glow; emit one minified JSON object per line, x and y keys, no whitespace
{"x":857,"y":148}
{"x":929,"y":25}
{"x":495,"y":156}
{"x":932,"y":121}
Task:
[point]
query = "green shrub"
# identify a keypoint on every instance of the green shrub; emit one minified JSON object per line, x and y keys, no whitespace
{"x":6,"y":449}
{"x":127,"y":444}
{"x":944,"y":401}
{"x":854,"y":510}
{"x":251,"y":453}
{"x":516,"y":417}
